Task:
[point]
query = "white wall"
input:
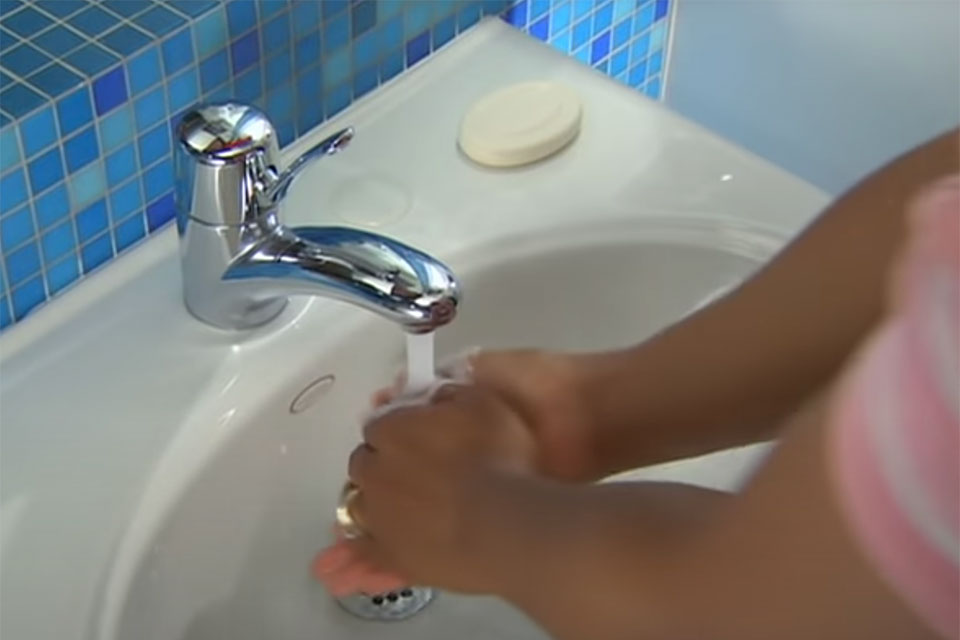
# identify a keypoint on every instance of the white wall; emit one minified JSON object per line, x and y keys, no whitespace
{"x":828,"y":89}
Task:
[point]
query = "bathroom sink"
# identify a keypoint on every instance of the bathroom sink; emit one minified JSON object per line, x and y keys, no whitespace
{"x":223,"y":552}
{"x":164,"y":480}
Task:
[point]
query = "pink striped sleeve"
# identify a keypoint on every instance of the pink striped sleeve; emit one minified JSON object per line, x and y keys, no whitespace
{"x":895,"y":422}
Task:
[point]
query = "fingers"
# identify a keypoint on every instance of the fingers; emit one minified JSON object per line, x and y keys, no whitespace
{"x":344,"y":571}
{"x":360,"y":462}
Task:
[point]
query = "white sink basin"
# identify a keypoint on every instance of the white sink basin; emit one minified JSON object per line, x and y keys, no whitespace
{"x":154,"y":485}
{"x":229,"y":556}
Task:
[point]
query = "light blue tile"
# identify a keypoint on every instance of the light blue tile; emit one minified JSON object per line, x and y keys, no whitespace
{"x":655,"y":65}
{"x":210,"y":33}
{"x":9,"y":148}
{"x":121,"y":164}
{"x":87,"y":185}
{"x":657,"y":36}
{"x":116,"y":128}
{"x":416,"y":17}
{"x":644,"y":17}
{"x":560,"y":18}
{"x":653,"y":88}
{"x":581,"y":8}
{"x":336,"y":68}
{"x":622,"y":8}
{"x":52,"y":206}
{"x":561,"y":41}
{"x":62,"y":274}
{"x":640,"y":48}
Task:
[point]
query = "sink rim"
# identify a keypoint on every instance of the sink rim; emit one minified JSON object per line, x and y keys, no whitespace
{"x":164,"y":490}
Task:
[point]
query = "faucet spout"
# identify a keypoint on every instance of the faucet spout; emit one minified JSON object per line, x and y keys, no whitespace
{"x":395,"y":281}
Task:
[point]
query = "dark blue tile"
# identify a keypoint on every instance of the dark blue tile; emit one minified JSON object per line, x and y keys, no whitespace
{"x":9,"y":149}
{"x":16,"y":228}
{"x":280,"y":103}
{"x":58,"y":241}
{"x":58,"y":41}
{"x":121,"y":165}
{"x":177,"y":51}
{"x":662,"y":7}
{"x":600,"y":47}
{"x":26,"y":22}
{"x":19,"y":100}
{"x":81,"y":150}
{"x":581,"y":33}
{"x":418,"y":48}
{"x":9,"y":6}
{"x":154,"y":145}
{"x":336,"y":33}
{"x":54,"y":80}
{"x":309,"y":88}
{"x":159,"y":20}
{"x":109,"y":91}
{"x":182,"y":90}
{"x":6,"y":316}
{"x":192,"y":8}
{"x":603,"y":18}
{"x":52,"y":206}
{"x":91,"y":59}
{"x":45,"y":170}
{"x":247,"y":86}
{"x":279,"y":69}
{"x":38,"y":131}
{"x":469,"y":15}
{"x":92,"y":221}
{"x":309,"y":117}
{"x":307,"y":51}
{"x":28,"y":297}
{"x":125,"y":200}
{"x":22,"y":263}
{"x":286,"y":133}
{"x":364,"y":16}
{"x":62,"y":274}
{"x":365,"y":80}
{"x":245,"y":52}
{"x":443,"y":32}
{"x":332,"y":7}
{"x":13,"y":190}
{"x":93,"y":21}
{"x":366,"y":49}
{"x":62,"y":8}
{"x":96,"y":253}
{"x":128,"y":232}
{"x":241,"y":16}
{"x":541,"y":28}
{"x":24,"y":59}
{"x":125,"y":40}
{"x":517,"y":14}
{"x":276,"y":33}
{"x":158,"y":180}
{"x":150,"y":108}
{"x":7,"y":40}
{"x":306,"y":17}
{"x":5,"y":80}
{"x":127,"y":8}
{"x":144,"y":71}
{"x":74,"y":111}
{"x":214,"y":71}
{"x":160,"y":212}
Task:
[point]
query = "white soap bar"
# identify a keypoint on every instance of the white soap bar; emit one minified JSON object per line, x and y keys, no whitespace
{"x":520,"y":124}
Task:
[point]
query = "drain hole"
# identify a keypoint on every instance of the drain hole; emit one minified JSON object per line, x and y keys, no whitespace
{"x":388,"y":606}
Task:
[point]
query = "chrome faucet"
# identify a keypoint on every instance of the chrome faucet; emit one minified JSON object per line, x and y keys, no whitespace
{"x":240,"y":264}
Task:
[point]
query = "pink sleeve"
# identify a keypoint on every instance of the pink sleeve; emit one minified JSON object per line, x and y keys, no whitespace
{"x":895,"y":422}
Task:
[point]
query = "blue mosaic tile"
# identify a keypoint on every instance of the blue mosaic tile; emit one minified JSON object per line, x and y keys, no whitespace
{"x":116,"y":128}
{"x":210,"y":32}
{"x":418,"y":48}
{"x":333,"y":7}
{"x":26,"y":22}
{"x":182,"y":90}
{"x":336,"y":33}
{"x":81,"y":149}
{"x":7,"y":40}
{"x":58,"y":41}
{"x":144,"y":70}
{"x":278,"y":70}
{"x":62,"y":8}
{"x":306,"y":17}
{"x":52,"y":206}
{"x":150,"y":108}
{"x":24,"y":59}
{"x":13,"y":190}
{"x":159,"y":20}
{"x":92,"y":221}
{"x":192,"y":8}
{"x":93,"y":21}
{"x":269,"y":8}
{"x":27,"y":297}
{"x":153,"y":145}
{"x":160,"y":212}
{"x":245,"y":52}
{"x":96,"y":253}
{"x":541,"y":28}
{"x":87,"y":185}
{"x":22,"y":263}
{"x":109,"y":90}
{"x":15,"y":228}
{"x":307,"y":51}
{"x":662,"y":8}
{"x":603,"y":18}
{"x":6,"y":317}
{"x":214,"y":71}
{"x":18,"y":100}
{"x":9,"y":148}
{"x":276,"y":33}
{"x":54,"y":80}
{"x":644,"y":17}
{"x":121,"y":164}
{"x":580,"y":33}
{"x":241,"y":16}
{"x":125,"y":200}
{"x":5,"y":80}
{"x":9,"y":6}
{"x":91,"y":59}
{"x":125,"y":40}
{"x":158,"y":180}
{"x":177,"y":52}
{"x":127,"y":8}
{"x":58,"y":242}
{"x":62,"y":274}
{"x":363,"y":17}
{"x":600,"y":47}
{"x":128,"y":232}
{"x":391,"y":65}
{"x":45,"y":170}
{"x":38,"y":131}
{"x":517,"y":14}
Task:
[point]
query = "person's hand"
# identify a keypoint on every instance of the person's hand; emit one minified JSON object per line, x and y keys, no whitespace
{"x":547,"y":389}
{"x":427,"y":477}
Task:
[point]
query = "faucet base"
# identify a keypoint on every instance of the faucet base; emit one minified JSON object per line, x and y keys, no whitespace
{"x":249,"y":316}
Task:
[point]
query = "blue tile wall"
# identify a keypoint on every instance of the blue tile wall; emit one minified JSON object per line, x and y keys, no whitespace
{"x":90,"y":91}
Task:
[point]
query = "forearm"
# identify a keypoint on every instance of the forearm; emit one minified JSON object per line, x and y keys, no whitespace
{"x":728,"y":375}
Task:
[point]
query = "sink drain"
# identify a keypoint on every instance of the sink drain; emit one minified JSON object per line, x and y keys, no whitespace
{"x":389,"y":606}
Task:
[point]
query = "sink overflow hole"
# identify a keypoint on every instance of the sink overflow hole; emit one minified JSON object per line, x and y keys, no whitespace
{"x":311,"y":393}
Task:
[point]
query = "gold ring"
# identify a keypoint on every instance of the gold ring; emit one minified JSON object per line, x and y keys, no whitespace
{"x":349,"y":526}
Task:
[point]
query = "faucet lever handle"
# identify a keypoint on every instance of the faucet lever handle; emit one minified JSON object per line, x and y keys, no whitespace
{"x":330,"y":145}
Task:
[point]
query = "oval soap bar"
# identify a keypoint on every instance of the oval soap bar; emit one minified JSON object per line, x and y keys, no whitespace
{"x":520,"y":124}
